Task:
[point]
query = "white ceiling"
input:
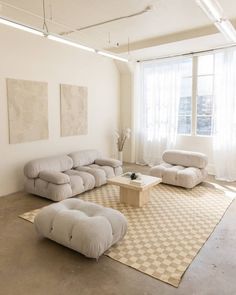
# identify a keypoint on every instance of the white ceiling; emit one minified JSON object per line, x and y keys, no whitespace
{"x":168,"y":18}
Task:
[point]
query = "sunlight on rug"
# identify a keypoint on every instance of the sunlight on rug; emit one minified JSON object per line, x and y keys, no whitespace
{"x":166,"y":234}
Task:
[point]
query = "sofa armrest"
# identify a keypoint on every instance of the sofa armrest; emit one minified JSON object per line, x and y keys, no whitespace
{"x":54,"y":177}
{"x":108,"y":162}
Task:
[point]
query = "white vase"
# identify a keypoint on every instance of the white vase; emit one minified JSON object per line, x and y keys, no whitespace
{"x":120,"y":156}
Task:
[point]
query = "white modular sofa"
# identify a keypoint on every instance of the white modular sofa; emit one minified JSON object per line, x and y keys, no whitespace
{"x":181,"y":168}
{"x":61,"y":177}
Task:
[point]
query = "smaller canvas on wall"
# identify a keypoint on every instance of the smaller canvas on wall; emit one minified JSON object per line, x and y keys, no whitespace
{"x":27,"y":110}
{"x":74,"y":118}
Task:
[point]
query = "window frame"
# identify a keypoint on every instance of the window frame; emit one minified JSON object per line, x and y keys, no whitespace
{"x":194,"y":115}
{"x":191,"y":114}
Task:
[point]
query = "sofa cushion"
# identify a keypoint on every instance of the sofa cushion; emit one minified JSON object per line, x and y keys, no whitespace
{"x":54,"y":192}
{"x":84,"y":157}
{"x":191,"y":176}
{"x":57,"y":163}
{"x":185,"y":158}
{"x":187,"y":177}
{"x":118,"y":171}
{"x":109,"y":171}
{"x":80,"y":181}
{"x":98,"y":174}
{"x":108,"y":162}
{"x":54,"y":177}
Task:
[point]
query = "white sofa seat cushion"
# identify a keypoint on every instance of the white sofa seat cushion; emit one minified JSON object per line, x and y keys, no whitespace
{"x":109,"y":171}
{"x":98,"y":174}
{"x":54,"y":192}
{"x":83,"y":226}
{"x":80,"y":181}
{"x":118,"y":171}
{"x":191,"y":177}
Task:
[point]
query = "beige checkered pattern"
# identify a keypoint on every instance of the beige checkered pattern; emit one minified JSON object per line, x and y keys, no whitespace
{"x":29,"y":216}
{"x":166,"y":234}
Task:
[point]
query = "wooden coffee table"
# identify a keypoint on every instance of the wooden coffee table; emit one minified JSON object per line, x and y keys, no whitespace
{"x":132,"y":194}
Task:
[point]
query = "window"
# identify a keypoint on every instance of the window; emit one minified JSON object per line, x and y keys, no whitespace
{"x":196,"y":100}
{"x":185,"y":104}
{"x":205,"y":95}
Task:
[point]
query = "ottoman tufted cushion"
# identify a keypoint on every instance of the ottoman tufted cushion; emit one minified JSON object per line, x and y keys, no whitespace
{"x":83,"y":226}
{"x":187,"y":177}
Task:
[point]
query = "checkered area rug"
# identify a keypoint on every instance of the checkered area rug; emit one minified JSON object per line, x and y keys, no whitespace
{"x":166,"y":234}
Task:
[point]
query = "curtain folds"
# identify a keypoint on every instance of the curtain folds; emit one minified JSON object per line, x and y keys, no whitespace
{"x":157,"y":102}
{"x":224,"y":137}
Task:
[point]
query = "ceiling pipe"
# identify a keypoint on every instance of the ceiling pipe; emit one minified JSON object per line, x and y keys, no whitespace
{"x":149,"y":8}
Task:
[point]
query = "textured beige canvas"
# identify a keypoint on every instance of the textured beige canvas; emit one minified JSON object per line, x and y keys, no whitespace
{"x":166,"y":234}
{"x":27,"y":110}
{"x":74,"y":119}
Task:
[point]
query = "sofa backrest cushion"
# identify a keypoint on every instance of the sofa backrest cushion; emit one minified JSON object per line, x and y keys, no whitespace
{"x":185,"y":158}
{"x":84,"y":157}
{"x":108,"y":162}
{"x":57,"y":163}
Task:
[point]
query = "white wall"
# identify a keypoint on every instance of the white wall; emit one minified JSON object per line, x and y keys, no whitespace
{"x":29,"y":57}
{"x":127,"y":107}
{"x":126,"y":111}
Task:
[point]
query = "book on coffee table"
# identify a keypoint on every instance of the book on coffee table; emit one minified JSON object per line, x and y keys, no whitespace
{"x":138,"y":182}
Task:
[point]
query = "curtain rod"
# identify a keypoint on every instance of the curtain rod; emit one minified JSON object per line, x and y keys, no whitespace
{"x":188,"y":53}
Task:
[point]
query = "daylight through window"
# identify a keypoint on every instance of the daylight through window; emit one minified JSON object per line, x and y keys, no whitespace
{"x":196,"y":101}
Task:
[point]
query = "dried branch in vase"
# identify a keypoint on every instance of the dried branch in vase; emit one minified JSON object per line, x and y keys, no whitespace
{"x":122,"y":137}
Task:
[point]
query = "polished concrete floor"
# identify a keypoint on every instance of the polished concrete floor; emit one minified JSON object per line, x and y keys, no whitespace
{"x":30,"y":265}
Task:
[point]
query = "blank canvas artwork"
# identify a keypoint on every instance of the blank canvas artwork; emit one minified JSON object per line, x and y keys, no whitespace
{"x":74,"y":119}
{"x":27,"y":110}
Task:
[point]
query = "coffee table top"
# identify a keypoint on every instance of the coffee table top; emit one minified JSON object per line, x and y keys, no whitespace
{"x":123,"y":181}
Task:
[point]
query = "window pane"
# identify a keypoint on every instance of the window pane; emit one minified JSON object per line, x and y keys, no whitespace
{"x":184,"y":125}
{"x":187,"y":67}
{"x":205,"y":64}
{"x":186,"y":87}
{"x":205,"y":85}
{"x":204,"y":125}
{"x":204,"y":105}
{"x":185,"y":106}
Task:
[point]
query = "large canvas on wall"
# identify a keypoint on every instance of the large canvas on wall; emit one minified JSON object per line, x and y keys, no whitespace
{"x":27,"y":110}
{"x":74,"y":118}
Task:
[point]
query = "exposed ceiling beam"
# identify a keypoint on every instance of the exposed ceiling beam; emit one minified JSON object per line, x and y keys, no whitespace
{"x":174,"y":37}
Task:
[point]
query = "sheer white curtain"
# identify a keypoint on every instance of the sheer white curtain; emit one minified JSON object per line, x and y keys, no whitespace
{"x":224,"y":138}
{"x":157,"y":103}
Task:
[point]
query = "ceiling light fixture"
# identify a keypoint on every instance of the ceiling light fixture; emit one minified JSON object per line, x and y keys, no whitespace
{"x":59,"y":39}
{"x":112,"y":56}
{"x":227,"y":29}
{"x":20,"y":27}
{"x":67,"y":42}
{"x":211,"y":8}
{"x":215,"y":12}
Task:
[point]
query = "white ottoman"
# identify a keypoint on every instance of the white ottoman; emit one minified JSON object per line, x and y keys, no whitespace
{"x":83,"y":226}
